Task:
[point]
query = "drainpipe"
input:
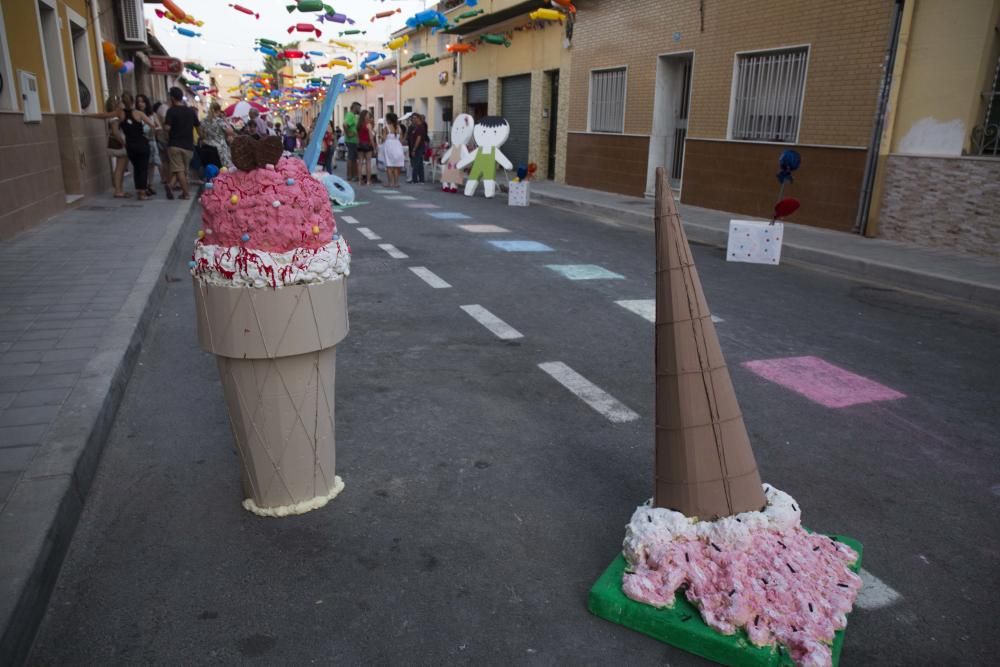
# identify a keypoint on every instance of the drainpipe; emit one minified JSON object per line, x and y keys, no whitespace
{"x":94,"y":19}
{"x":871,"y":161}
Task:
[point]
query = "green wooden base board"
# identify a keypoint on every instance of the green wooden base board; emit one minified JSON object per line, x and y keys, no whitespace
{"x":681,"y":626}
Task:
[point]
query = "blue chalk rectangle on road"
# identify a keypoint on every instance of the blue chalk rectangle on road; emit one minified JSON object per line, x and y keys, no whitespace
{"x":447,"y":215}
{"x":521,"y":246}
{"x":585,"y":272}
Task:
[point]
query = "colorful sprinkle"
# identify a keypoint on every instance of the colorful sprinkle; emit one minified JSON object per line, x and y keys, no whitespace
{"x":208,"y":231}
{"x":269,"y":166}
{"x":209,"y":186}
{"x":234,"y":199}
{"x":276,"y":203}
{"x":224,"y":170}
{"x":290,"y":181}
{"x":192,"y":264}
{"x":201,"y":233}
{"x":245,"y":238}
{"x":315,"y":229}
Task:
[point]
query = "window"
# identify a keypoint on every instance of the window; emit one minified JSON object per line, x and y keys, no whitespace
{"x":8,"y":100}
{"x":81,"y":60}
{"x":607,"y":100}
{"x":55,"y":68}
{"x":767,"y":95}
{"x":381,"y":107}
{"x":443,"y":39}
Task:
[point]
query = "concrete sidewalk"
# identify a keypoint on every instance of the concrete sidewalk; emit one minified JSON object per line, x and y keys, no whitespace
{"x":903,"y":265}
{"x":79,"y":292}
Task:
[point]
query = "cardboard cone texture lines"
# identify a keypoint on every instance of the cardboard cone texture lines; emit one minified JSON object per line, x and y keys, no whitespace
{"x":705,"y":465}
{"x":276,"y":353}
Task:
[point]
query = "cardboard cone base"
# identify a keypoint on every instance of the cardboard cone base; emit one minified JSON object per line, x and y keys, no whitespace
{"x":282,"y":415}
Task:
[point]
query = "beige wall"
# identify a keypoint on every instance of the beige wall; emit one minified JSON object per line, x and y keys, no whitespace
{"x":950,"y":54}
{"x":847,"y":43}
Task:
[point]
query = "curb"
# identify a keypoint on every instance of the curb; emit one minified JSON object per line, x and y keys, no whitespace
{"x":43,"y":509}
{"x":925,"y":282}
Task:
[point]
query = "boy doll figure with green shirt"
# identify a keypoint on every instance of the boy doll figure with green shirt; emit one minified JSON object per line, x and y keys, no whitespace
{"x":490,"y":134}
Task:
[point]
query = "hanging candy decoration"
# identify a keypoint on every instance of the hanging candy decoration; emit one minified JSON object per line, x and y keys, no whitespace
{"x":334,"y":17}
{"x":407,"y":77}
{"x":546,"y":15}
{"x":308,"y":6}
{"x":495,"y":39}
{"x":245,"y":10}
{"x":460,"y":48}
{"x":186,"y":32}
{"x":352,"y":31}
{"x":385,"y":15}
{"x":304,"y":27}
{"x":425,"y":62}
{"x":340,"y":62}
{"x":469,"y":15}
{"x":268,"y":51}
{"x":397,"y":43}
{"x":291,"y":55}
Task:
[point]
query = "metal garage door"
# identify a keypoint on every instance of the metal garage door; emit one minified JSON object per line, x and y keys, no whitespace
{"x":477,"y":94}
{"x":515,"y":106}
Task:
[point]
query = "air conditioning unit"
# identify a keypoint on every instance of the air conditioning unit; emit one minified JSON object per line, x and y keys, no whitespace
{"x":134,"y":21}
{"x":29,"y":96}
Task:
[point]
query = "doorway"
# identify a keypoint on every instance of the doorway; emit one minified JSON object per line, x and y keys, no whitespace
{"x":671,"y":106}
{"x":55,"y":66}
{"x":553,"y":122}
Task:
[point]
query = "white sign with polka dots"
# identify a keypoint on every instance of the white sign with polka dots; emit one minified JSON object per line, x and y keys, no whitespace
{"x":756,"y":242}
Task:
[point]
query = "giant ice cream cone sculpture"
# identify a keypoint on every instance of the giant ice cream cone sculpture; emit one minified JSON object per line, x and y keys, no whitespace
{"x":270,"y":289}
{"x":714,"y":542}
{"x":704,"y":464}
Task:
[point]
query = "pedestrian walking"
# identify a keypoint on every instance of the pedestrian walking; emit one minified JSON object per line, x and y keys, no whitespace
{"x":395,"y":154}
{"x":216,"y":134}
{"x":351,"y":140}
{"x":180,"y":122}
{"x":133,"y":126}
{"x":113,"y":113}
{"x":416,"y":137}
{"x":367,"y":145}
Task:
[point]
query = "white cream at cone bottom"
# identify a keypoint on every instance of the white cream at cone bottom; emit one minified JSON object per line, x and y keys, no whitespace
{"x":297,"y":508}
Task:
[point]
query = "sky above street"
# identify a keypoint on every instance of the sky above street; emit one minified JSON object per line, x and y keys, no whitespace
{"x":228,"y":35}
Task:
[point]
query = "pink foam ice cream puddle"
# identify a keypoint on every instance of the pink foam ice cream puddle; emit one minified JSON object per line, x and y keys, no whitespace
{"x":790,"y":586}
{"x":303,"y":207}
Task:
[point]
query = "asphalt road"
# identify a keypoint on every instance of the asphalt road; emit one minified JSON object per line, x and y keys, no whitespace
{"x":483,"y":498}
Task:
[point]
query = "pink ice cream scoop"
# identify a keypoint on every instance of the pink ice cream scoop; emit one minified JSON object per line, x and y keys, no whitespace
{"x":275,"y":209}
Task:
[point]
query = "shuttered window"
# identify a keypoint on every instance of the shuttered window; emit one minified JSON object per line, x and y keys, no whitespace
{"x":607,"y":100}
{"x":768,"y":95}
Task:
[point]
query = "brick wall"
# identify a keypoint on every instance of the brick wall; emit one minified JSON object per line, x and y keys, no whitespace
{"x":847,"y":43}
{"x":948,"y":203}
{"x":83,"y":154}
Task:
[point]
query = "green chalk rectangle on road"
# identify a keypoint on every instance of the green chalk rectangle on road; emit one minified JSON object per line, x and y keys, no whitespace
{"x":683,"y":627}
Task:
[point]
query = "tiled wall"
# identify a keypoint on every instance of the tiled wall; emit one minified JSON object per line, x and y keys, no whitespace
{"x":607,"y":162}
{"x":31,"y":181}
{"x":83,"y":152}
{"x":948,"y":203}
{"x":740,"y":177}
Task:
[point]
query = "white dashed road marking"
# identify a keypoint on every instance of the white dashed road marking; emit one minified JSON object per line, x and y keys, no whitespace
{"x":429,"y":277}
{"x":606,"y":404}
{"x":499,"y":328}
{"x":647,"y":308}
{"x":349,"y":219}
{"x":875,"y":593}
{"x":369,"y":234}
{"x":393,"y":251}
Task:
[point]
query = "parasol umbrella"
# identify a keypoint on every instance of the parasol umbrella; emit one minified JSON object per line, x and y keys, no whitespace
{"x":242,"y":109}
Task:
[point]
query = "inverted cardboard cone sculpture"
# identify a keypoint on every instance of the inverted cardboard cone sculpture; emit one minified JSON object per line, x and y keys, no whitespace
{"x":705,"y":466}
{"x":276,"y":353}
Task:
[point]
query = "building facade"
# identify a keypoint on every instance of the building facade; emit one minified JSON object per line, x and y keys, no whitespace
{"x":938,"y":176}
{"x":715,"y":91}
{"x":52,"y":73}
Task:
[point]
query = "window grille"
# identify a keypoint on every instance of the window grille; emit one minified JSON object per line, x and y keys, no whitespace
{"x":768,"y":95}
{"x":607,"y":100}
{"x":986,"y":137}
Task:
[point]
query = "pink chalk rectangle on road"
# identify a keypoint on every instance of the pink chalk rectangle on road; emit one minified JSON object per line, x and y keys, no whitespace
{"x":422,"y":205}
{"x":822,"y":382}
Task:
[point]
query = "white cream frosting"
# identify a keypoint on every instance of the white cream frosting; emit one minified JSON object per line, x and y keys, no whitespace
{"x":655,"y":526}
{"x":296,"y":508}
{"x":295,"y":267}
